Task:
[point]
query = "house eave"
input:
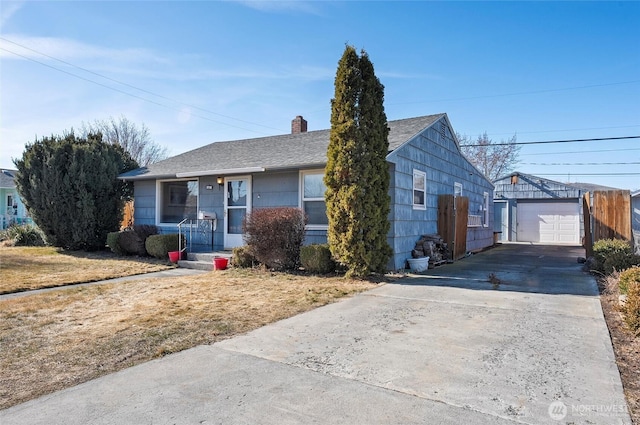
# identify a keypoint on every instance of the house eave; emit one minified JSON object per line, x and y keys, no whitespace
{"x":223,"y":172}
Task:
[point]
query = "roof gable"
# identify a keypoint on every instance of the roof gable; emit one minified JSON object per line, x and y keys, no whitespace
{"x":302,"y":150}
{"x":519,"y":185}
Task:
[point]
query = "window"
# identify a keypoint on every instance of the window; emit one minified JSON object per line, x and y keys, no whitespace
{"x":457,"y":189}
{"x":485,"y":204}
{"x":10,"y":200}
{"x":178,"y":200}
{"x":419,"y":190}
{"x":312,"y":190}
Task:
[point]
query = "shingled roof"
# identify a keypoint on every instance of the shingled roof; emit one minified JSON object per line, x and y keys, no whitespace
{"x":288,"y":151}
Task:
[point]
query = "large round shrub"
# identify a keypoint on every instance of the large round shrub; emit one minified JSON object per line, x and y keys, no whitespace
{"x":70,"y":186}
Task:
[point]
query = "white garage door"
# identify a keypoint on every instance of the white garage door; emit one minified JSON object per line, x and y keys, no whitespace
{"x":553,"y":222}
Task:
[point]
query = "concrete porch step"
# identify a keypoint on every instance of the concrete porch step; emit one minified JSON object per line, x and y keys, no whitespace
{"x":202,"y":260}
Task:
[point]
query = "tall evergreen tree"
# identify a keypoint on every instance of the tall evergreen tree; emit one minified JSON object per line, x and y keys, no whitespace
{"x":70,"y":187}
{"x":357,"y":174}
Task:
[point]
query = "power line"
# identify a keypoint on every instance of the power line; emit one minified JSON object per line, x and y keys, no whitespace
{"x":580,"y":163}
{"x":561,"y":130}
{"x":590,"y":174}
{"x":518,"y":93}
{"x":555,"y":141}
{"x":589,"y":151}
{"x":128,"y":85}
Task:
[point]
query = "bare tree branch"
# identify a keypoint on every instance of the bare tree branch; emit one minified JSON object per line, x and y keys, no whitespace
{"x":133,"y":139}
{"x":492,"y":160}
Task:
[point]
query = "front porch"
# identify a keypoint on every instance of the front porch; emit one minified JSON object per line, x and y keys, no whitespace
{"x":203,"y":260}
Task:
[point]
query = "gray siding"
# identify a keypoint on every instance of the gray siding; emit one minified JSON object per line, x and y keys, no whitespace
{"x":275,"y":189}
{"x":435,"y":153}
{"x":144,"y":193}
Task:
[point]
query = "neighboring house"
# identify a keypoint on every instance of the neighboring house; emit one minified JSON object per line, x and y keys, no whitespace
{"x":225,"y":180}
{"x":534,"y":209}
{"x":635,"y":219}
{"x":12,"y":210}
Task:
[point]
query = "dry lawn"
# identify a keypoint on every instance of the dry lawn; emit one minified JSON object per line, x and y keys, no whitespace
{"x":27,"y":268}
{"x":53,"y":340}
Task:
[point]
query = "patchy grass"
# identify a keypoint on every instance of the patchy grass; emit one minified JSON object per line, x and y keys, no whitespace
{"x":50,"y":341}
{"x":28,"y":268}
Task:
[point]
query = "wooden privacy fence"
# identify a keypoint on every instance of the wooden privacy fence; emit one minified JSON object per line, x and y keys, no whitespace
{"x":453,"y":214}
{"x":607,"y":215}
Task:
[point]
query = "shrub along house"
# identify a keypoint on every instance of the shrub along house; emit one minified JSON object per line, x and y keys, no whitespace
{"x":214,"y":186}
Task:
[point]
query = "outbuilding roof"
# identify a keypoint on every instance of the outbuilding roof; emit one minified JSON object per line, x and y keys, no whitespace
{"x":288,"y":151}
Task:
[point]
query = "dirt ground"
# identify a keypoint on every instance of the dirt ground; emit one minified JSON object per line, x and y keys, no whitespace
{"x":627,"y":350}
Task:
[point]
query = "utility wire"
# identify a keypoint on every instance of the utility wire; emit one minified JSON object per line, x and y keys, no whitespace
{"x":589,"y":151}
{"x":518,"y":93}
{"x":563,"y":130}
{"x":579,"y":163}
{"x":127,"y":85}
{"x":554,"y":141}
{"x":590,"y":174}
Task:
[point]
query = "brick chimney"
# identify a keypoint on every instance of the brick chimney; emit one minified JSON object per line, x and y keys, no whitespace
{"x":298,"y":125}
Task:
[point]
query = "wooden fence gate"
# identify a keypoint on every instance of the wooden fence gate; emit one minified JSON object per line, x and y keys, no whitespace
{"x":453,"y":216}
{"x":607,"y":215}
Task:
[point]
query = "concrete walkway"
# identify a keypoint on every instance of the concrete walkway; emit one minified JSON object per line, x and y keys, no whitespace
{"x":177,"y":272}
{"x":447,"y":348}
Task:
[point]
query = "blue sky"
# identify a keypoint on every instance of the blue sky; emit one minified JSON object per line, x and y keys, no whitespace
{"x":205,"y":71}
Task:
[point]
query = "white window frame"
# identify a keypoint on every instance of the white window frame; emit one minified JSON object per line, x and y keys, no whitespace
{"x":423,"y":175}
{"x":159,"y":196}
{"x":485,"y":206}
{"x":302,"y":199}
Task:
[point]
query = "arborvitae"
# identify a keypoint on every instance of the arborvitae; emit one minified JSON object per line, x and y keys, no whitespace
{"x":357,"y":174}
{"x":70,"y":187}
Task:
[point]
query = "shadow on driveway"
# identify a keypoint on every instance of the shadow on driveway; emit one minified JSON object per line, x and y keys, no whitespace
{"x":529,"y":268}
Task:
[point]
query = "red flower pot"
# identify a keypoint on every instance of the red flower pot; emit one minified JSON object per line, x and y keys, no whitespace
{"x":174,"y":256}
{"x":220,"y":263}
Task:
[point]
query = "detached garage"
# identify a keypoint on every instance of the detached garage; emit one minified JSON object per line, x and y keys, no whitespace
{"x":534,"y":209}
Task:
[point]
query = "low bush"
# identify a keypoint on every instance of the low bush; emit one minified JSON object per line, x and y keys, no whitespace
{"x":131,"y":243}
{"x":23,"y":235}
{"x":145,"y":230}
{"x":606,"y":248}
{"x":113,"y":242}
{"x":631,"y":308}
{"x":159,"y":245}
{"x":316,"y":258}
{"x":620,"y":261}
{"x":274,"y":236}
{"x":242,"y":258}
{"x":628,"y":277}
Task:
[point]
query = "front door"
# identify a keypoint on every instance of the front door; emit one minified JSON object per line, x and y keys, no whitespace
{"x":237,"y":203}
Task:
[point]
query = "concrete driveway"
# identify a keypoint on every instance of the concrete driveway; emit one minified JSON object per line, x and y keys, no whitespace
{"x":447,"y":347}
